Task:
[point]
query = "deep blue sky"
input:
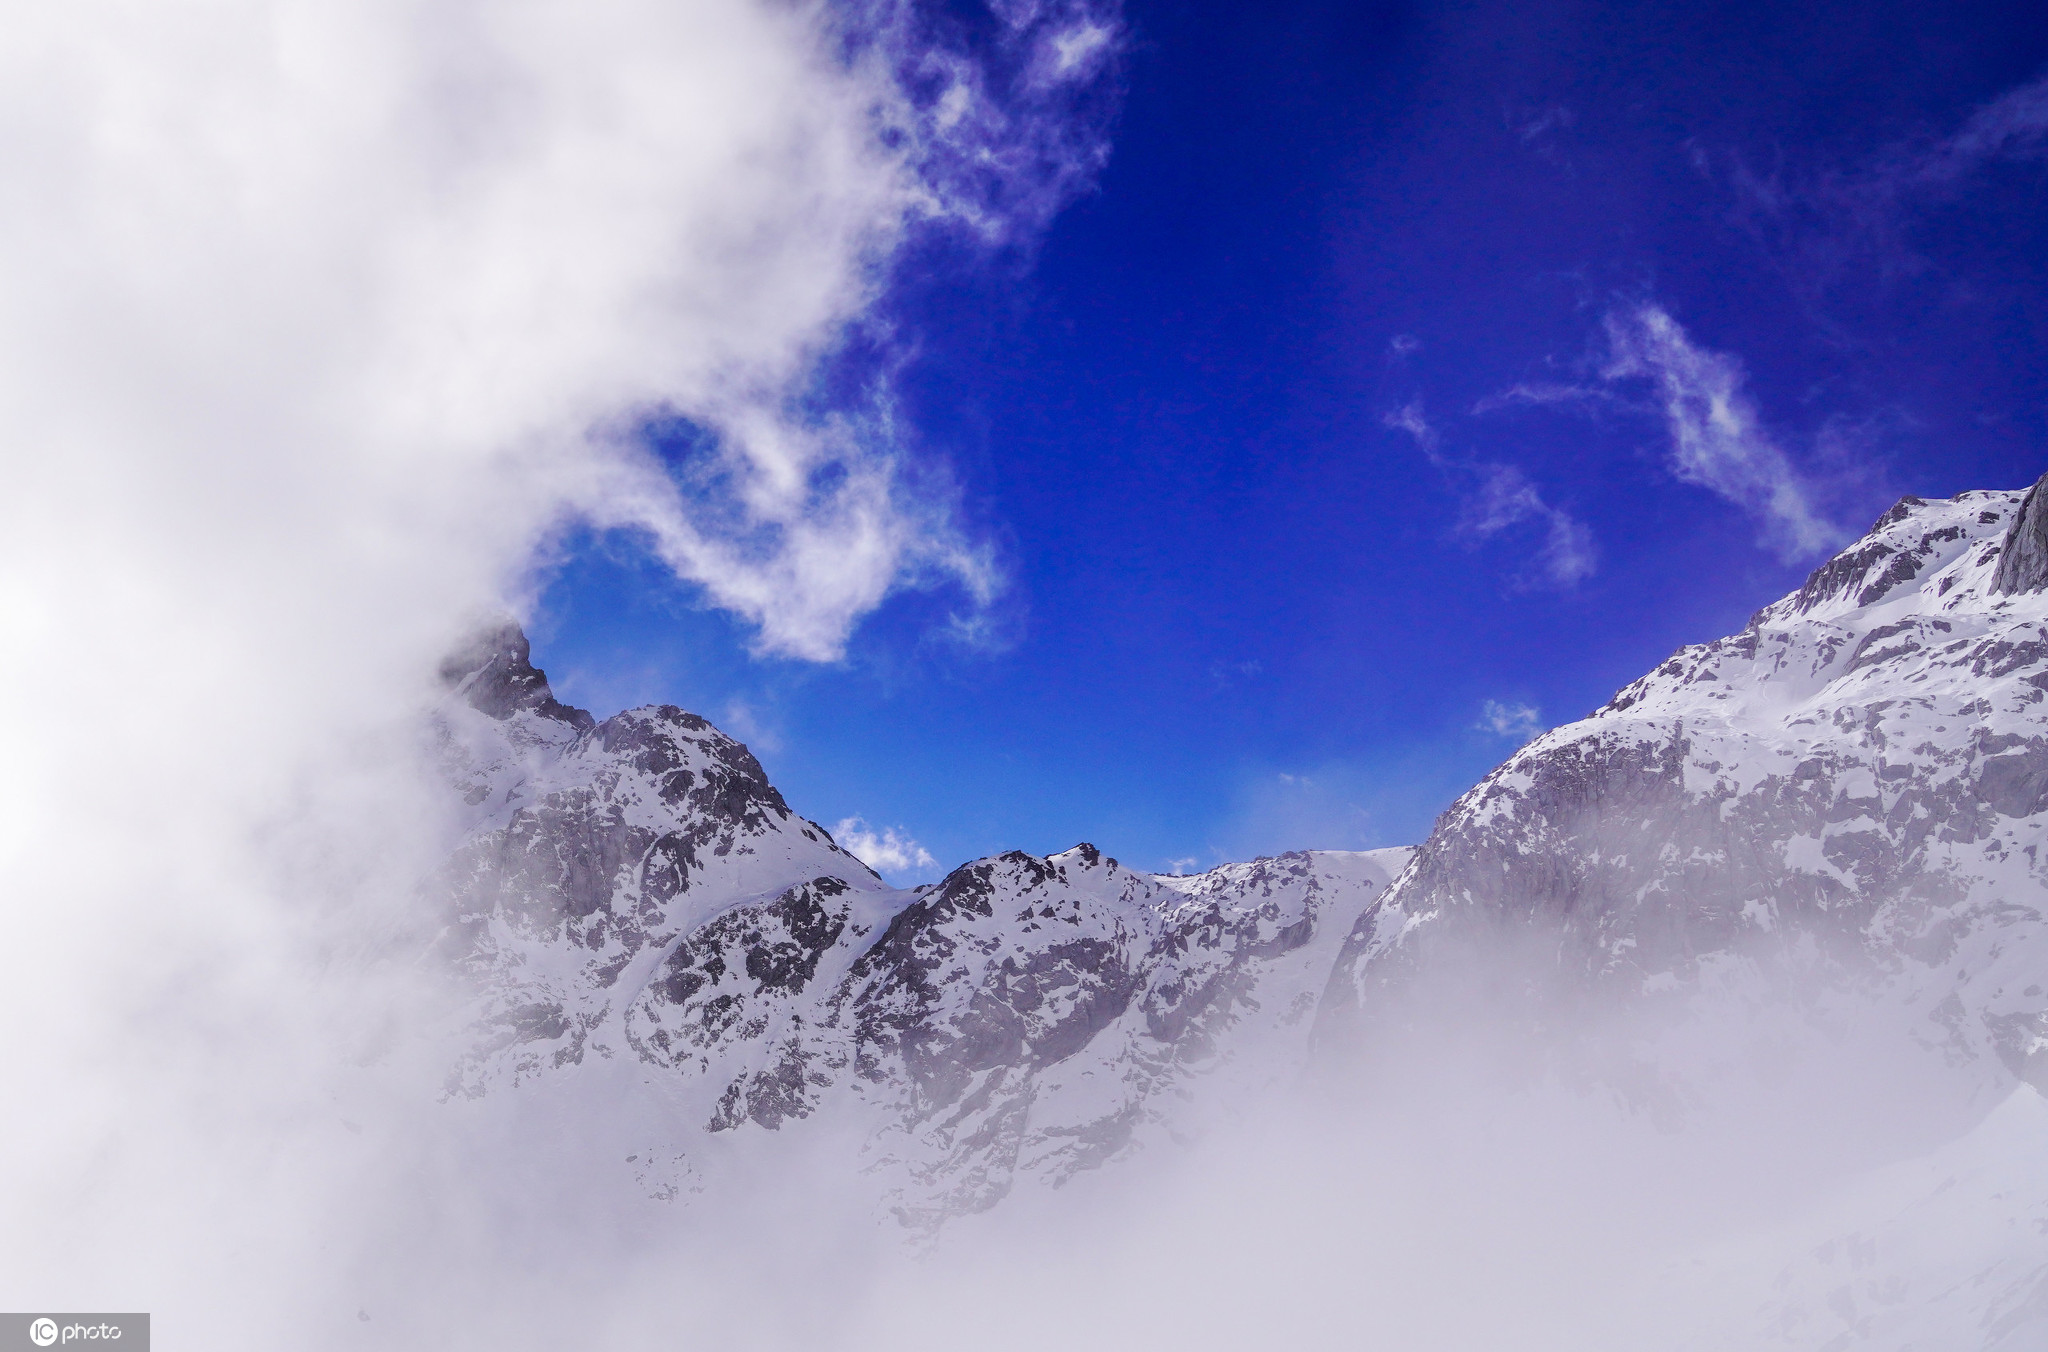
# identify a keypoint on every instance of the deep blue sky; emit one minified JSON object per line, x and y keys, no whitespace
{"x":1247,"y":614}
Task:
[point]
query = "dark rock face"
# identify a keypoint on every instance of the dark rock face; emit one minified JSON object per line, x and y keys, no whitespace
{"x":1884,"y":558}
{"x":2023,"y":558}
{"x":494,"y":674}
{"x":1018,"y":1019}
{"x":595,"y":846}
{"x":750,"y":959}
{"x":588,"y":863}
{"x":1038,"y":1001}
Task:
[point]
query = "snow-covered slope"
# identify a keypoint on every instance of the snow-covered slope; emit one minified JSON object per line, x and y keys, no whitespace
{"x":593,"y":849}
{"x":635,"y":889}
{"x":1947,"y":1250}
{"x":1857,"y":781}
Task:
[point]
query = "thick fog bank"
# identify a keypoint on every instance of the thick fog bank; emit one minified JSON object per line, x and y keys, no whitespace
{"x":1599,"y":1185}
{"x":318,"y":322}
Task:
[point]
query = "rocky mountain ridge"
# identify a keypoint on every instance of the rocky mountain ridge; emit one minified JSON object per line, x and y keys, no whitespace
{"x":634,"y":888}
{"x":1853,"y":790}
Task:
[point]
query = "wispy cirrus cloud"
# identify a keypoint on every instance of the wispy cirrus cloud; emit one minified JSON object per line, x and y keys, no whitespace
{"x":1541,"y":130}
{"x":1507,"y":498}
{"x":2012,"y":126}
{"x":1717,"y":439}
{"x":1499,"y":497}
{"x":1823,"y":225}
{"x":1541,"y":394}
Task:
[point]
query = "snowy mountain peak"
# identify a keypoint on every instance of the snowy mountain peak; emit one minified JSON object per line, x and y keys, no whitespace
{"x":1907,"y":545}
{"x":1852,"y":790}
{"x":1859,"y":777}
{"x":494,"y":673}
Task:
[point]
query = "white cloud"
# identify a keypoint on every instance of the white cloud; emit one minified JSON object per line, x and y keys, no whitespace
{"x":1543,"y":130}
{"x":1018,"y":129}
{"x":744,"y":721}
{"x":490,"y":242}
{"x":1534,"y":125}
{"x":1409,"y":418}
{"x":1569,"y":555}
{"x":1507,"y":498}
{"x":319,"y":319}
{"x":889,"y":850}
{"x":1229,"y":675}
{"x":2012,"y":126}
{"x":1502,"y":496}
{"x":1540,"y":394}
{"x":1518,"y":721}
{"x":1717,"y":440}
{"x":1076,"y":49}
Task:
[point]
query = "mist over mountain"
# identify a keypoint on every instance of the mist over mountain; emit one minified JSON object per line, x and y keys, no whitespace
{"x":1818,"y":840}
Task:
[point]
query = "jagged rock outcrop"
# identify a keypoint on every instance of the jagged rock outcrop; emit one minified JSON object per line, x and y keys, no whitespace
{"x":494,"y":674}
{"x":594,"y":848}
{"x":2023,"y":559}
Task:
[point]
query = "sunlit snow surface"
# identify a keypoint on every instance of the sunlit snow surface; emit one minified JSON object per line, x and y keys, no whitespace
{"x":1949,"y":1250}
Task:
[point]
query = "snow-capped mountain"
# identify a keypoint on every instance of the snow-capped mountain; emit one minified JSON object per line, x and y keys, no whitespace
{"x":1848,"y":796}
{"x":1861,"y":774}
{"x":1832,"y":823}
{"x":635,"y":889}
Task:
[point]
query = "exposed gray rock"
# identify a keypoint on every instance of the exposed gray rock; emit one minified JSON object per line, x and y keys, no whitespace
{"x":2023,"y":559}
{"x":494,"y":674}
{"x":1859,"y":778}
